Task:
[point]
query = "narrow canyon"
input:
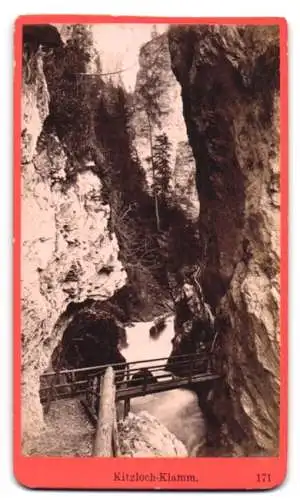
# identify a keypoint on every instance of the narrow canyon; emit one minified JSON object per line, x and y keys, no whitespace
{"x":127,"y":195}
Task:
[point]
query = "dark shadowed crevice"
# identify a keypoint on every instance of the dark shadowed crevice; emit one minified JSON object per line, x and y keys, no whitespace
{"x":91,"y":338}
{"x":230,"y":81}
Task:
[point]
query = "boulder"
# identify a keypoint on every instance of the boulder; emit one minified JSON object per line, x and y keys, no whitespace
{"x":142,"y":435}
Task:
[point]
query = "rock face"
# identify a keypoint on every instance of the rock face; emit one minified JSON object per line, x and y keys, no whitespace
{"x":194,"y":329}
{"x":68,"y":251}
{"x":166,"y":117}
{"x":142,"y":435}
{"x":230,"y":93}
{"x":35,"y":107}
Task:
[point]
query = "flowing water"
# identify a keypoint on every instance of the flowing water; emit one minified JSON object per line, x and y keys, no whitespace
{"x":178,"y":409}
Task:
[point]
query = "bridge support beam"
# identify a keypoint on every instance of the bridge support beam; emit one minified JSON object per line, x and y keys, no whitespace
{"x":127,"y":400}
{"x":126,"y":407}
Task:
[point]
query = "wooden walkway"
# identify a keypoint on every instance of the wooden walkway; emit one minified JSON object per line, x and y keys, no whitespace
{"x":131,"y":380}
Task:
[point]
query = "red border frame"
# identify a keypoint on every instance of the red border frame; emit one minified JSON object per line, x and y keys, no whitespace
{"x":98,"y":473}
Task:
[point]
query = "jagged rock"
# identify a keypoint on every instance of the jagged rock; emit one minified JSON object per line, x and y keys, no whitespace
{"x":229,"y":82}
{"x":35,"y":107}
{"x":66,"y":241}
{"x":142,"y":435}
{"x":84,"y":33}
{"x":155,"y":65}
{"x":230,"y":90}
{"x":194,"y":329}
{"x":158,"y":327}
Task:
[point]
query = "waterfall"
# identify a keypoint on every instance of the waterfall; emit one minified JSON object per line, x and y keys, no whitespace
{"x":177,"y":409}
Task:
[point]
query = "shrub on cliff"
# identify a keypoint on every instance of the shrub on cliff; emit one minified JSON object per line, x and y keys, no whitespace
{"x":93,"y":121}
{"x":160,"y":161}
{"x":74,"y":94}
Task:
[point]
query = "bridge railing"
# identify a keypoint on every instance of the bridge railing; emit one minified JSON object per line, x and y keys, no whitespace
{"x":138,"y":382}
{"x":99,"y":368}
{"x":87,"y":380}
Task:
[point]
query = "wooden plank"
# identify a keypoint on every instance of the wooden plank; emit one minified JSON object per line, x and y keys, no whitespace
{"x":47,"y":401}
{"x":126,"y":406}
{"x":69,"y":385}
{"x":83,"y":385}
{"x":127,"y":400}
{"x":95,"y":393}
{"x":186,"y":366}
{"x":127,"y":392}
{"x":58,"y":397}
{"x":163,"y":386}
{"x":104,"y":431}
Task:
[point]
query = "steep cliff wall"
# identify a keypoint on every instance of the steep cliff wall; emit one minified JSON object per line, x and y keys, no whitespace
{"x":155,"y":76}
{"x":67,"y":247}
{"x":230,"y":93}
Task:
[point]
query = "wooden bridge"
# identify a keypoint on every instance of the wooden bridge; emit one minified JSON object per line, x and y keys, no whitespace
{"x":132,"y":380}
{"x":99,"y":388}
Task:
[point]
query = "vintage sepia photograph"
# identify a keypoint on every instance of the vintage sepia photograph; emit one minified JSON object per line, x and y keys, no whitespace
{"x":150,"y":240}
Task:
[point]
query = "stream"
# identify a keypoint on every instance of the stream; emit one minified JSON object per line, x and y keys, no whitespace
{"x":177,"y":409}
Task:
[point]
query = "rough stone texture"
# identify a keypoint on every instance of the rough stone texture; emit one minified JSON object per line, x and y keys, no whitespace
{"x":68,"y":432}
{"x":67,"y":248}
{"x":155,"y":65}
{"x":230,"y":92}
{"x":67,"y":31}
{"x":35,"y":107}
{"x":142,"y":435}
{"x":194,"y":328}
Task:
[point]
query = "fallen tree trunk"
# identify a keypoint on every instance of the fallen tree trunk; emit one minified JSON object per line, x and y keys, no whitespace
{"x":106,"y":416}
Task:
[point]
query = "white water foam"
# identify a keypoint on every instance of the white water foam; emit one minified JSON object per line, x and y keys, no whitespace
{"x":178,"y":409}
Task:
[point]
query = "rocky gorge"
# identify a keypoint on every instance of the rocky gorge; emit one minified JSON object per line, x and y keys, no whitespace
{"x":216,"y":99}
{"x":66,"y":248}
{"x":230,"y":91}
